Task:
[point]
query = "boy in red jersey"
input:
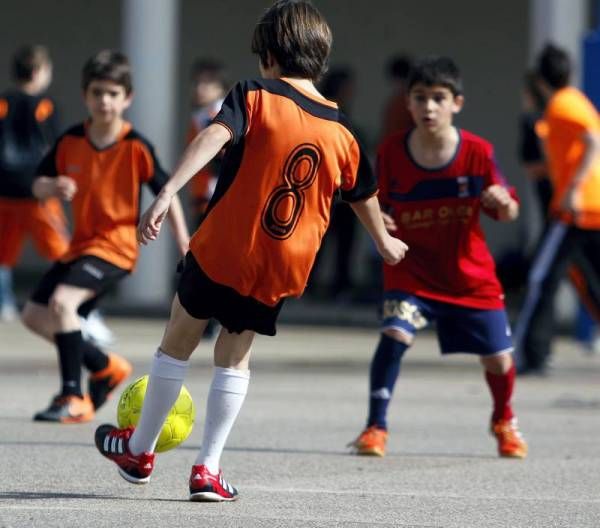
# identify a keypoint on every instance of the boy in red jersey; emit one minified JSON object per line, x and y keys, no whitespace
{"x":288,"y":150}
{"x":99,"y":166}
{"x":434,"y":179}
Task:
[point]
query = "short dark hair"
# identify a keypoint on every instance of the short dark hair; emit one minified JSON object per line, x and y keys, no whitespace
{"x":27,"y":60}
{"x":530,"y":82}
{"x":212,"y":68}
{"x":108,"y":65}
{"x":399,"y":67}
{"x":297,"y":36}
{"x":554,"y":66}
{"x":436,"y":71}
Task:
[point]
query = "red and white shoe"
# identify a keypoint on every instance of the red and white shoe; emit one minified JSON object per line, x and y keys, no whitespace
{"x":113,"y":443}
{"x":207,"y":487}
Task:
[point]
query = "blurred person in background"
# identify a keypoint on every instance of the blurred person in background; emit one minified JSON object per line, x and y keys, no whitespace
{"x":396,"y":116}
{"x":533,"y":161}
{"x":339,"y":85}
{"x":209,"y":87}
{"x":28,"y":127}
{"x":570,"y":130}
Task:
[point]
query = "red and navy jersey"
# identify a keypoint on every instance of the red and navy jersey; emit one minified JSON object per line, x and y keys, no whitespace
{"x":437,"y":213}
{"x":290,"y":152}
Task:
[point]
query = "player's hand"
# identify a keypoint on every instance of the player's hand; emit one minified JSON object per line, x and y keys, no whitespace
{"x":392,"y":250}
{"x":496,"y":197}
{"x":389,"y":222}
{"x":65,"y":188}
{"x":151,"y":221}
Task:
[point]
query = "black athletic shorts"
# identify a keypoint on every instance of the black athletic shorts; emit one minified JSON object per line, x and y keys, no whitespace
{"x":203,"y":298}
{"x":89,"y":272}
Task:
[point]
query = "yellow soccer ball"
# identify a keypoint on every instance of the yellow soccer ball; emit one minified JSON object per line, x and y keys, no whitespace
{"x":177,"y":426}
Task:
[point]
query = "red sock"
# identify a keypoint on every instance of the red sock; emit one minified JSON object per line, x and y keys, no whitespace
{"x":501,"y":386}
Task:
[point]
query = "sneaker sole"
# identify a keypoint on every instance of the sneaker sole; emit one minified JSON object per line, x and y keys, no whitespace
{"x":371,"y":452}
{"x":513,"y":455}
{"x":74,"y":420}
{"x":133,"y":480}
{"x":209,"y":496}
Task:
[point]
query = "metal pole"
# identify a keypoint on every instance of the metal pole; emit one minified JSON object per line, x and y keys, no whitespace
{"x":150,"y":39}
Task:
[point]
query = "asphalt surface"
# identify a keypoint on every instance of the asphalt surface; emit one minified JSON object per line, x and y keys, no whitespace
{"x":287,"y":453}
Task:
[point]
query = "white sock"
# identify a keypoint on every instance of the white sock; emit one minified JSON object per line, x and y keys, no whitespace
{"x":166,"y":379}
{"x":225,"y":398}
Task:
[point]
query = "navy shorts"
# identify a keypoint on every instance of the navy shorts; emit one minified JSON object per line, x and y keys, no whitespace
{"x":88,"y":272}
{"x":459,"y":328}
{"x":203,"y":298}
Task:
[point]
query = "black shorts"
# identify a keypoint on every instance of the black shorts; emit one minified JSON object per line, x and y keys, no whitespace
{"x":203,"y":298}
{"x":89,"y":272}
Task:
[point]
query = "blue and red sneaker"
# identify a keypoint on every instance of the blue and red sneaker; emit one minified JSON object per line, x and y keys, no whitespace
{"x":113,"y":443}
{"x":208,"y":487}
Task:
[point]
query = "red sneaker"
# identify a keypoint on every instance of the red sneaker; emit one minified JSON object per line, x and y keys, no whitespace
{"x":206,"y":487}
{"x":113,"y":443}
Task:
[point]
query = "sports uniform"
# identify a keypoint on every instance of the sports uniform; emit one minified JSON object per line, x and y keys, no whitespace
{"x":447,"y":277}
{"x":271,"y":207}
{"x":105,"y":208}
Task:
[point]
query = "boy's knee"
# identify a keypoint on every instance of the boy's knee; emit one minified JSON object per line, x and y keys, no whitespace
{"x":398,"y":336}
{"x":61,"y":306}
{"x":498,"y":364}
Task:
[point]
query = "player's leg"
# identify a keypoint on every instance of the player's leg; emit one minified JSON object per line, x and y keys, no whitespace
{"x":133,"y":450}
{"x":226,"y":396}
{"x":535,"y":323}
{"x":487,"y":334}
{"x":53,"y":313}
{"x":403,"y":316}
{"x":70,"y":405}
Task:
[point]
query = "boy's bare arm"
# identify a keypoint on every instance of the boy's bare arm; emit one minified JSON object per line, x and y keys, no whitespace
{"x":205,"y":146}
{"x":62,"y":187}
{"x":178,"y":225}
{"x":390,"y":248}
{"x":497,"y":197}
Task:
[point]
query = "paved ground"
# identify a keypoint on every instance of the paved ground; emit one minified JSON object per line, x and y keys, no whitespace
{"x":287,"y":454}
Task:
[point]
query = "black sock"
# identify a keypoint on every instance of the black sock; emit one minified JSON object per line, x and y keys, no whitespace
{"x":70,"y":355}
{"x":93,"y":358}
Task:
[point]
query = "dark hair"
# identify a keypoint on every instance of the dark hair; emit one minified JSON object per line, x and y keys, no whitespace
{"x":399,"y":67}
{"x":27,"y":60}
{"x":297,"y":36}
{"x":107,"y":65}
{"x":210,"y":68}
{"x":436,"y":71}
{"x":530,"y":81}
{"x":554,"y":66}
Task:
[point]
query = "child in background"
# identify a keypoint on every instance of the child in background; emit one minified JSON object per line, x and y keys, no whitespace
{"x":99,"y":166}
{"x":28,"y":128}
{"x":209,"y":87}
